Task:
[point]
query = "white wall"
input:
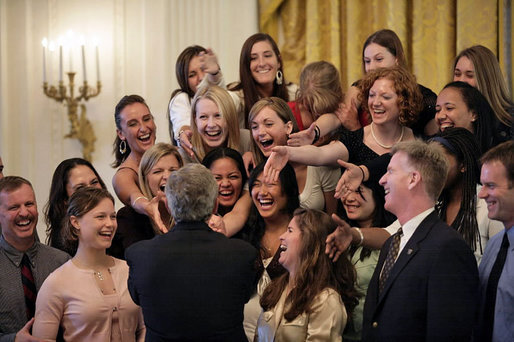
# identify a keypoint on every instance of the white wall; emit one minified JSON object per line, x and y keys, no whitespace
{"x":139,"y":42}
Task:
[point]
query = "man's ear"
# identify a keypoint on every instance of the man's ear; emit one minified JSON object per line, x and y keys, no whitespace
{"x":415,"y":179}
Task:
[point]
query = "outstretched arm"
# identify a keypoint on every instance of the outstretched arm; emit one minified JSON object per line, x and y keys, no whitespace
{"x":125,"y":186}
{"x":326,"y":155}
{"x":326,"y":123}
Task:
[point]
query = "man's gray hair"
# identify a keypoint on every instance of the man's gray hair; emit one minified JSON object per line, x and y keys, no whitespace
{"x":191,"y":193}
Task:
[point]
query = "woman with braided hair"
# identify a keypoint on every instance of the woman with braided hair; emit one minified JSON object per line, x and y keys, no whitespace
{"x":458,"y":204}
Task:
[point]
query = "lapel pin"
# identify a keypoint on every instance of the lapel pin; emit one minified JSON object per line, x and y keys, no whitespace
{"x":409,"y":251}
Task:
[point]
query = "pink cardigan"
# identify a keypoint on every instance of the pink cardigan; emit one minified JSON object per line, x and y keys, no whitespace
{"x":70,"y":298}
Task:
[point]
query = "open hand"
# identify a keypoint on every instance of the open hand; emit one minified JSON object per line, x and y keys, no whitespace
{"x":339,"y":240}
{"x":350,"y":180}
{"x":305,"y":137}
{"x":276,"y":162}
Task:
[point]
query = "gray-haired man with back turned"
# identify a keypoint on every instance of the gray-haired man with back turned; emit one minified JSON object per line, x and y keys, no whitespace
{"x":192,"y":282}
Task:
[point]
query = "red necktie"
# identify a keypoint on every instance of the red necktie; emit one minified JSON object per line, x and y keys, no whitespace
{"x":29,"y":288}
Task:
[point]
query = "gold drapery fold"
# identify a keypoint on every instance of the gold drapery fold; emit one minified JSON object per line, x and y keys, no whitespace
{"x":432,"y":33}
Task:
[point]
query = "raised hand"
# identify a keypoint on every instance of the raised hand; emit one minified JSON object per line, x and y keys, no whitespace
{"x":185,"y":141}
{"x":339,"y":240}
{"x":209,"y":62}
{"x":349,"y":115}
{"x":305,"y":137}
{"x":276,"y":162}
{"x":350,"y":180}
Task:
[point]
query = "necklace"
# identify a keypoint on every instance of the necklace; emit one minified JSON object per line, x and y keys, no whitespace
{"x":384,"y":145}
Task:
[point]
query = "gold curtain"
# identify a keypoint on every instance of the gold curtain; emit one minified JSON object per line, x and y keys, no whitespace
{"x":432,"y":33}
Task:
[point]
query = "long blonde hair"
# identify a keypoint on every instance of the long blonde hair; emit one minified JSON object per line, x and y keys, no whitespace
{"x":490,"y":80}
{"x":227,"y":109}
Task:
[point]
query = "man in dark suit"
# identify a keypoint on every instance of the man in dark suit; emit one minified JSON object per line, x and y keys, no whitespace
{"x":425,"y":284}
{"x":192,"y":283}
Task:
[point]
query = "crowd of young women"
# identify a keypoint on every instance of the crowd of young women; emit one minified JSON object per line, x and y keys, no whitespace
{"x":282,"y":156}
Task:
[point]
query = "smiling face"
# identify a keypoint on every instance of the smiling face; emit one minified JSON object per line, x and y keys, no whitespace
{"x":377,"y":56}
{"x":97,"y":227}
{"x":383,"y":102}
{"x":268,"y":197}
{"x":498,"y":192}
{"x":452,"y":111}
{"x":79,"y":177}
{"x":263,"y":63}
{"x":18,"y":215}
{"x":211,"y":124}
{"x":396,"y":183}
{"x":360,"y":206}
{"x":290,"y":246}
{"x":194,"y":73}
{"x":268,"y":130}
{"x":159,"y":173}
{"x":465,"y":71}
{"x":229,"y":179}
{"x":137,"y":127}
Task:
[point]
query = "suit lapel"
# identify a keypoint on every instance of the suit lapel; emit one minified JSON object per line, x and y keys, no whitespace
{"x":409,"y":251}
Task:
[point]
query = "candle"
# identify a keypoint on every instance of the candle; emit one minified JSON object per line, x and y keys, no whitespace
{"x":71,"y":58}
{"x":60,"y":63}
{"x":97,"y":65}
{"x":44,"y":42}
{"x":84,"y":63}
{"x":70,"y":36}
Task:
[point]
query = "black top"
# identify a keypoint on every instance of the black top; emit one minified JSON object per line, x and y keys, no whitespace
{"x":132,"y":227}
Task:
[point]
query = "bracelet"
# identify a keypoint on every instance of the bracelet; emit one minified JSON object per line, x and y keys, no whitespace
{"x":361,"y":235}
{"x":363,"y":175}
{"x":137,"y":199}
{"x":317,"y":133}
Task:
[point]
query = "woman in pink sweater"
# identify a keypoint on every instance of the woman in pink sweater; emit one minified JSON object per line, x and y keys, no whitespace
{"x":87,"y":296}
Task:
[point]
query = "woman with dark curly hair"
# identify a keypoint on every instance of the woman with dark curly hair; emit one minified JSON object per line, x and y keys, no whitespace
{"x":311,"y":301}
{"x":393,"y":99}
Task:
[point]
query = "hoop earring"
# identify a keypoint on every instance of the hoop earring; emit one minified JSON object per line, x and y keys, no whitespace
{"x":123,"y":147}
{"x":279,"y":78}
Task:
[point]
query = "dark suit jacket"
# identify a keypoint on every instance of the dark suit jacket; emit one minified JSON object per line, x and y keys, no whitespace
{"x":192,"y":284}
{"x":431,"y":292}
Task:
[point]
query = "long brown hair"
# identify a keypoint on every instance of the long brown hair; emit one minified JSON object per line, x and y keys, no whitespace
{"x":316,"y":271}
{"x":247,"y":84}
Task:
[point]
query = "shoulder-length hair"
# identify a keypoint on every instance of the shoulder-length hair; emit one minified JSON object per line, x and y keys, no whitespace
{"x":390,"y":40}
{"x":410,"y":100}
{"x":490,"y":81}
{"x":226,"y":108}
{"x":484,"y":125}
{"x":316,"y":271}
{"x":124,"y":102}
{"x":320,"y":88}
{"x":55,"y":208}
{"x":247,"y":83}
{"x":81,"y":202}
{"x":148,"y":161}
{"x":283,"y":111}
{"x":289,"y":187}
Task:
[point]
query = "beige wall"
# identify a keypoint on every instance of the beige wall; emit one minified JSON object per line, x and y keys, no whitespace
{"x":139,"y":42}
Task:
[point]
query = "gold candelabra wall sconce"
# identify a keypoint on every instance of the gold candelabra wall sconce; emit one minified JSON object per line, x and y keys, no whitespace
{"x":80,"y":127}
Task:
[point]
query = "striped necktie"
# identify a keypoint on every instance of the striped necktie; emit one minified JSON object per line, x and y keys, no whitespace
{"x":390,"y":259}
{"x":29,"y":288}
